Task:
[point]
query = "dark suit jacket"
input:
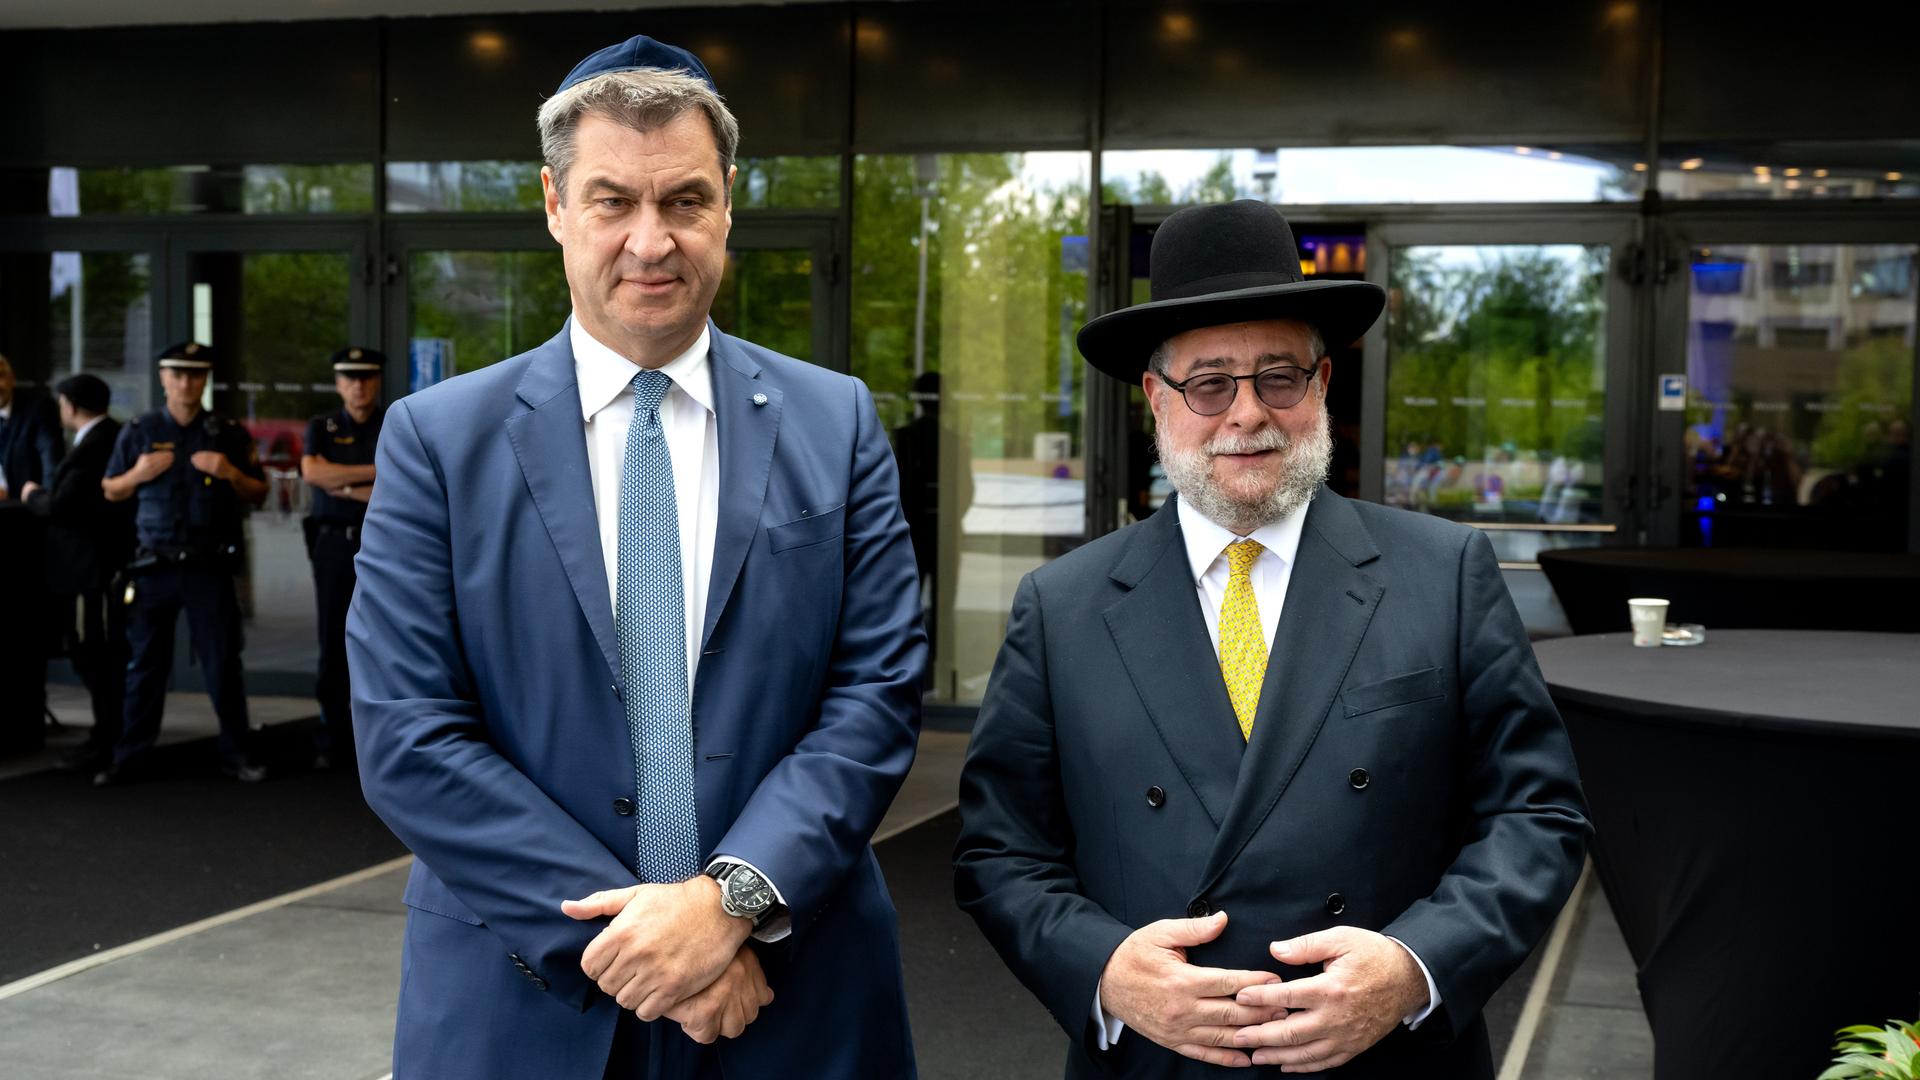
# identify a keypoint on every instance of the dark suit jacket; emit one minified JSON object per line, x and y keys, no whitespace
{"x":1398,"y":652}
{"x":32,"y":445}
{"x":493,"y":741}
{"x":88,"y":538}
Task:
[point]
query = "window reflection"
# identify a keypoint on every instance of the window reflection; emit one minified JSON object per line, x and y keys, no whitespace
{"x":1495,"y":382}
{"x":1800,"y":373}
{"x":216,"y":189}
{"x":1371,"y":174}
{"x":970,"y":281}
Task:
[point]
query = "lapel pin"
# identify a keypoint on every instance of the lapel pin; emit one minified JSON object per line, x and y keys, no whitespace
{"x":759,"y":399}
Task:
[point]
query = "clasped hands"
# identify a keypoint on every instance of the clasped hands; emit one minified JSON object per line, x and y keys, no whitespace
{"x":1239,"y":1019}
{"x":672,"y":951}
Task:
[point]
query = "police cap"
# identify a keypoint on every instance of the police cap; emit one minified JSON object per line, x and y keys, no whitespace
{"x":188,"y":356}
{"x":359,"y":362}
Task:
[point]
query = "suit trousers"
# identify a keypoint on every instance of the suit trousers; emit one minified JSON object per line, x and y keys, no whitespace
{"x":99,"y":657}
{"x":205,"y":591}
{"x":658,"y":1051}
{"x":334,"y":546}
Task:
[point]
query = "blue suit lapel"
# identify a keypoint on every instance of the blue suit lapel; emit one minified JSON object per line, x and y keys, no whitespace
{"x":1329,"y":603}
{"x":551,"y":443}
{"x":746,"y":435}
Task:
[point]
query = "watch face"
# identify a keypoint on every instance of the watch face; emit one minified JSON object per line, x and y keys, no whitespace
{"x":748,"y":891}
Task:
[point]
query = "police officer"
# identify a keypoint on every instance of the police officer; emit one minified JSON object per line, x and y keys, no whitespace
{"x":338,"y":464}
{"x":191,"y":475}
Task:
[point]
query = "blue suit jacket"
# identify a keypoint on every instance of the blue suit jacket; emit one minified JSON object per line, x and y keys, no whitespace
{"x":493,"y":740}
{"x":1398,"y":652}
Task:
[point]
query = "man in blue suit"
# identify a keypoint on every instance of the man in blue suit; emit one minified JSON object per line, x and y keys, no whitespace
{"x":1269,"y":779}
{"x":636,"y":654}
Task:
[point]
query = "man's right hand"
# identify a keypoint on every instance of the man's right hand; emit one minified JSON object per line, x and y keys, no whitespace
{"x":1151,"y":988}
{"x":151,"y":464}
{"x":724,"y":1009}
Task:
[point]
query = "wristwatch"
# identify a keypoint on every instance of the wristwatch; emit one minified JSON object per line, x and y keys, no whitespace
{"x":743,"y":892}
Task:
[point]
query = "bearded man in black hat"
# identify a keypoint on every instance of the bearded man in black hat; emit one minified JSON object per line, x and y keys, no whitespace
{"x":1270,"y":778}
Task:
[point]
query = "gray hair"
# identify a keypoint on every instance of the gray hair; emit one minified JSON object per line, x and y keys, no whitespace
{"x":1161,"y":362}
{"x":644,"y":100}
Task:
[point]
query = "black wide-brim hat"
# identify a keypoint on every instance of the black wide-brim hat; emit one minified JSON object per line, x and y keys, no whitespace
{"x":1226,"y":263}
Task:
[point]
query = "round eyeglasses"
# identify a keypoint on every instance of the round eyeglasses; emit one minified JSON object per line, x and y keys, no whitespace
{"x":1213,"y":393}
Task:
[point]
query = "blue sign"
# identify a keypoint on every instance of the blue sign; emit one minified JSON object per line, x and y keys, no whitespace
{"x":429,"y":360}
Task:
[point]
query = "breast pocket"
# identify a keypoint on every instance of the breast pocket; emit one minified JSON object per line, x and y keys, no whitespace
{"x":808,"y":530}
{"x":1415,"y":686}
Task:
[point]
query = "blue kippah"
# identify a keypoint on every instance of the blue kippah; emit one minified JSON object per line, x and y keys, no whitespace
{"x":639,"y":51}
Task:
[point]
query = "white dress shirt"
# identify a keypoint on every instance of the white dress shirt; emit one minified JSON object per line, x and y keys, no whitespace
{"x":1207,"y":543}
{"x":693,"y":442}
{"x":605,"y":379}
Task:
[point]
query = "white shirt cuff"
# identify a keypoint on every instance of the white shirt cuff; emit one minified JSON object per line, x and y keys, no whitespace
{"x":774,"y":927}
{"x":1110,"y":1025}
{"x":1414,"y":1020}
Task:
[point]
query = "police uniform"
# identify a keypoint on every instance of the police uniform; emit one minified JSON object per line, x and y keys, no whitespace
{"x":333,"y":539}
{"x":187,"y":528}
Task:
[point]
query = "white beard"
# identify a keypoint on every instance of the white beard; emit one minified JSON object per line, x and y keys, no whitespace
{"x":1304,"y":467}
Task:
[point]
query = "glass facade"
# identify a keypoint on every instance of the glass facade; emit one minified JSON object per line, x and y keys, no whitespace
{"x":969,"y":283}
{"x":1496,"y":386}
{"x":1800,"y":404}
{"x":274,"y":317}
{"x":201,"y":189}
{"x":100,"y":321}
{"x":468,"y":309}
{"x":1308,"y":176}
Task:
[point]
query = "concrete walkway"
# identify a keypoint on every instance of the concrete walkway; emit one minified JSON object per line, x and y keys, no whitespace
{"x":303,"y":986}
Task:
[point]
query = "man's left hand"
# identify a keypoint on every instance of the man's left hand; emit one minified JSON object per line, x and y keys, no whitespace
{"x":666,"y":942}
{"x":27,"y":491}
{"x":212,"y":462}
{"x":1369,"y":983}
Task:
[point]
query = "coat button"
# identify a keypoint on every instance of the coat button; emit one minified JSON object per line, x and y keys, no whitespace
{"x":1156,"y":798}
{"x":1199,"y":909}
{"x":1336,"y":904}
{"x":1359,"y":779}
{"x":538,"y":982}
{"x":623,"y":806}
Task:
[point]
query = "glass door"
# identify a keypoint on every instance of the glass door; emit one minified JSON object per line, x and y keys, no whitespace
{"x":1501,"y":387}
{"x":275,"y":304}
{"x":1791,"y":423}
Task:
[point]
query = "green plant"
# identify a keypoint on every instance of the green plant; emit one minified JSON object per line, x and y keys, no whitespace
{"x":1891,"y":1053}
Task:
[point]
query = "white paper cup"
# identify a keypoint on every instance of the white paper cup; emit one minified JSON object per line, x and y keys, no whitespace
{"x":1649,"y":617}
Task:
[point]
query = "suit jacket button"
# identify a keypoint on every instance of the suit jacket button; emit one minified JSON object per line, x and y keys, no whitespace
{"x":538,"y":982}
{"x":1156,"y":798}
{"x":1336,"y":904}
{"x":1359,"y":779}
{"x":1199,"y":909}
{"x":623,"y":806}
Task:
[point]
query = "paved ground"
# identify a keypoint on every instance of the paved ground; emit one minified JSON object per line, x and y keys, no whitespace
{"x":303,"y":986}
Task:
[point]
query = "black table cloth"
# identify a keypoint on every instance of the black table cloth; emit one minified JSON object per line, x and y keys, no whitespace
{"x":1739,"y":587}
{"x":1756,"y":805}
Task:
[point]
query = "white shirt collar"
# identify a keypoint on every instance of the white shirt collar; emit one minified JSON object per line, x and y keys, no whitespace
{"x":1207,"y":540}
{"x":603,"y":373}
{"x":86,"y":427}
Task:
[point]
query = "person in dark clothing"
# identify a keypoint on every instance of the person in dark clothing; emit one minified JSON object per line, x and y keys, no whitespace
{"x":30,"y":449}
{"x":88,"y":541}
{"x":30,"y":443}
{"x":337,"y":461}
{"x":190,"y":475}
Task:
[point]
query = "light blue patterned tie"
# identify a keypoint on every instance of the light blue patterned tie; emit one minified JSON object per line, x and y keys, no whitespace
{"x":653,"y":646}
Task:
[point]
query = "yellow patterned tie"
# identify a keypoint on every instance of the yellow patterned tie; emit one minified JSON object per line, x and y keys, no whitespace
{"x":1243,"y":647}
